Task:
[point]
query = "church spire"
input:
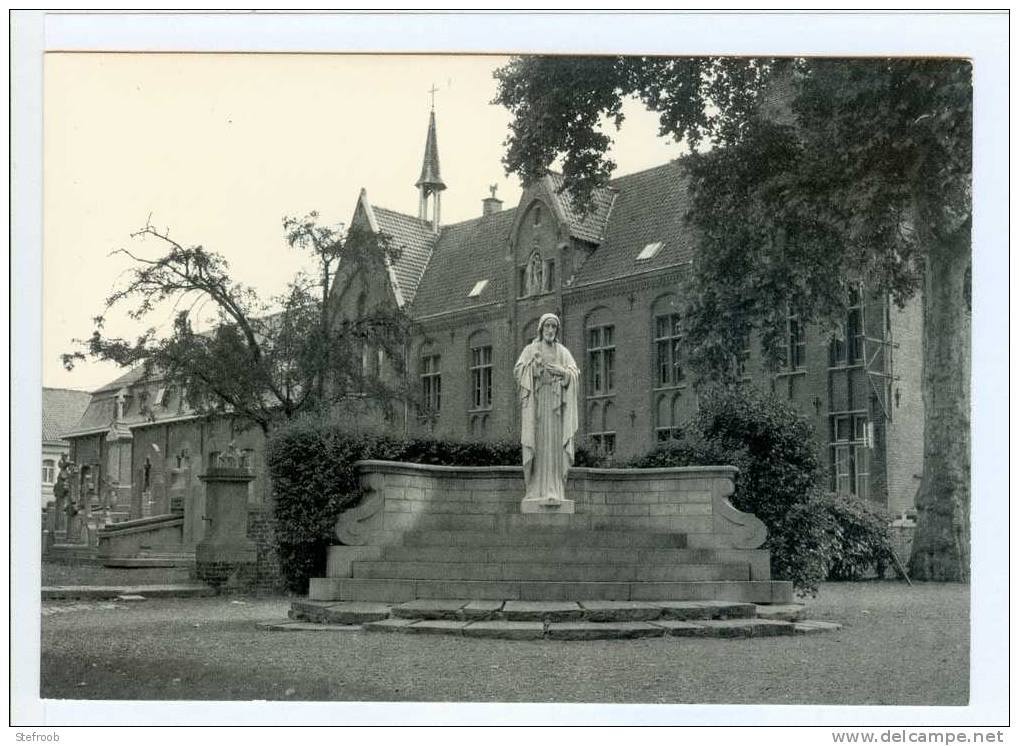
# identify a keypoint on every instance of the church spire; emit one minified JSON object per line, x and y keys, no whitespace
{"x":430,"y":183}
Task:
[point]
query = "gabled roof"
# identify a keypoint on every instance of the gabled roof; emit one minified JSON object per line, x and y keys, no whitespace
{"x":588,"y":227}
{"x":628,"y":214}
{"x":649,"y":206}
{"x":414,"y":239}
{"x":61,"y":411}
{"x":464,"y":254}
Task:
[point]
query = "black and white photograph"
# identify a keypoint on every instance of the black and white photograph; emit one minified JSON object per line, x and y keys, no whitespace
{"x":517,"y":374}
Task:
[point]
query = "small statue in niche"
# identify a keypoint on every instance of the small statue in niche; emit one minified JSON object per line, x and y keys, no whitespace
{"x":534,"y":274}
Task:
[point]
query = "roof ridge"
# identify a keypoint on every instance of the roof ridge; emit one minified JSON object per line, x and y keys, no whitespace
{"x":660,"y":166}
{"x":64,"y":388}
{"x":401,"y":214}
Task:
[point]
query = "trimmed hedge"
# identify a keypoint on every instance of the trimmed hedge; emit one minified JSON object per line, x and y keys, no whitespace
{"x":812,"y":534}
{"x":311,"y":466}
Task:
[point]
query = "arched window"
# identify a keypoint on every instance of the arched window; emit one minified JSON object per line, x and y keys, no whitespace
{"x":601,"y":431}
{"x":666,"y":344}
{"x":430,"y":374}
{"x":601,"y":353}
{"x":479,"y":363}
{"x":600,"y":383}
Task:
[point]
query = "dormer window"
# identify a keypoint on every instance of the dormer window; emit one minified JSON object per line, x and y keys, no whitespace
{"x":478,"y":288}
{"x":649,"y":251}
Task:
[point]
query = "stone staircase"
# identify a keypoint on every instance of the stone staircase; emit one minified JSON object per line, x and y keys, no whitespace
{"x":433,"y":532}
{"x":168,"y":557}
{"x":544,"y":563}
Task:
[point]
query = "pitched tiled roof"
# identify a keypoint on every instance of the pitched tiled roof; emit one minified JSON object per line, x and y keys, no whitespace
{"x":61,"y":411}
{"x":414,"y":240}
{"x":100,"y":413}
{"x":464,"y":254}
{"x":650,"y":206}
{"x":587,"y":227}
{"x":125,"y":379}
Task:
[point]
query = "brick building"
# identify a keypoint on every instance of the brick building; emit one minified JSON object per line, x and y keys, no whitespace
{"x":476,"y":290}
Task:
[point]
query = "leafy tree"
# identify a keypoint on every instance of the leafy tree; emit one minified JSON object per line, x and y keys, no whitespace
{"x":264,"y":361}
{"x":806,"y":175}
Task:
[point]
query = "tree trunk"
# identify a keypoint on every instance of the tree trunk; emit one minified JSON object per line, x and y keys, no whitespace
{"x":941,"y":545}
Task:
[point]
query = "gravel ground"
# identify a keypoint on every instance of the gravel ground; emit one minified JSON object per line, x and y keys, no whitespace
{"x":57,"y":574}
{"x":899,"y":646}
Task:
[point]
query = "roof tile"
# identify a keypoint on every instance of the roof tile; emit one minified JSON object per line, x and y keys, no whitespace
{"x":61,"y":411}
{"x":414,"y":239}
{"x":465,"y":253}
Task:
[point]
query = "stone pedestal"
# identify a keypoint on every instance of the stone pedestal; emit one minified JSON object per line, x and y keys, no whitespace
{"x":226,"y":548}
{"x":546,"y":505}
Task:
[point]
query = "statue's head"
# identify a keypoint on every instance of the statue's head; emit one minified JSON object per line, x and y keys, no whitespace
{"x":548,"y":328}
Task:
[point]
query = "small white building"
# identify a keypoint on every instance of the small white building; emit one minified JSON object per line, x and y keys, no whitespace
{"x":61,"y":411}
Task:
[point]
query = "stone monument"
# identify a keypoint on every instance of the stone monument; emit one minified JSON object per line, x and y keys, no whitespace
{"x":547,"y":381}
{"x":226,"y":548}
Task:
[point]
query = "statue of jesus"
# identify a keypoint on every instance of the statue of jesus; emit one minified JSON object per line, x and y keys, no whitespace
{"x":547,"y":380}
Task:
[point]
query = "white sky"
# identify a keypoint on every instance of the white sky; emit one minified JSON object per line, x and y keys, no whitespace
{"x":218,"y":148}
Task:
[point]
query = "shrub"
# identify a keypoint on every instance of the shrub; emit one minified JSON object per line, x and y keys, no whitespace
{"x":861,"y":536}
{"x":311,"y":467}
{"x":811,"y":534}
{"x":311,"y":464}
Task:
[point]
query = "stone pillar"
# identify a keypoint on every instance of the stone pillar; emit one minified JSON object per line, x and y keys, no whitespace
{"x":226,"y":551}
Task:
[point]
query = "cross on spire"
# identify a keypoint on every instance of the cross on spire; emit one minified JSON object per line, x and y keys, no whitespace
{"x":432,"y":91}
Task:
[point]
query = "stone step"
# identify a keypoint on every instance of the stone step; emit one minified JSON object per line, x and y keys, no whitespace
{"x":160,"y":561}
{"x":562,"y":571}
{"x":400,"y":590}
{"x":544,"y":537}
{"x":625,"y":555}
{"x":180,"y":590}
{"x":343,"y":612}
{"x":701,"y":524}
{"x":584,"y":630}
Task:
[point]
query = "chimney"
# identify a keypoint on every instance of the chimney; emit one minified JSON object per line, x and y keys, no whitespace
{"x":491,"y":205}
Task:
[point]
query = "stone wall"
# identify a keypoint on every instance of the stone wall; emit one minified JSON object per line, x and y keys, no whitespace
{"x":406,"y":497}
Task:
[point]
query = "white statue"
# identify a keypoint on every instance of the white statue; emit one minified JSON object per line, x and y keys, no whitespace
{"x":547,"y":380}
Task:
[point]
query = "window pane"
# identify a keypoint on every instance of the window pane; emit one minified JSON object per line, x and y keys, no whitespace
{"x":607,"y":335}
{"x":842,"y":431}
{"x":861,"y":428}
{"x":610,"y":361}
{"x":677,"y":368}
{"x":661,"y":327}
{"x":662,"y":362}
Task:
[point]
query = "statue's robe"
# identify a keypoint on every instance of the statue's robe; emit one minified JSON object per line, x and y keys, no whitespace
{"x":548,"y":422}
